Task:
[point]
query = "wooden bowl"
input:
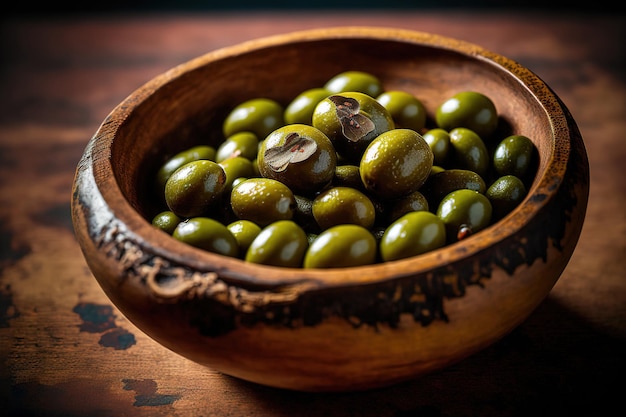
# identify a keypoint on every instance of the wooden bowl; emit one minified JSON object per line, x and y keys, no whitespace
{"x":338,"y":329}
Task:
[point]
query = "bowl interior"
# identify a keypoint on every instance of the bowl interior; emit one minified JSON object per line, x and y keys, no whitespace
{"x":187,"y":105}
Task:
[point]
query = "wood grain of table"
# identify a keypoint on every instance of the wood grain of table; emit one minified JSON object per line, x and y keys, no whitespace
{"x":65,"y":350}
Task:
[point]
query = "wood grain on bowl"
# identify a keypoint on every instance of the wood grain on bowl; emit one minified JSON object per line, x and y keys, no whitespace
{"x":339,"y":329}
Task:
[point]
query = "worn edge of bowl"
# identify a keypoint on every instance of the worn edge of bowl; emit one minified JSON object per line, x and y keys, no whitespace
{"x":199,"y":277}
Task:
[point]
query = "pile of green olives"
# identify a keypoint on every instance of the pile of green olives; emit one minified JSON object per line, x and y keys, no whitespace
{"x":346,"y":174}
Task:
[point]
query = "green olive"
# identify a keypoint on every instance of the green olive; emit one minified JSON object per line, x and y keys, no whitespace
{"x":260,"y":116}
{"x":464,"y":212}
{"x":281,"y":243}
{"x":180,"y":159}
{"x":396,"y":163}
{"x":505,"y":193}
{"x":351,"y":120}
{"x":412,"y":234}
{"x":300,"y":109}
{"x":255,"y":167}
{"x":245,"y":232}
{"x":514,"y":156}
{"x":300,"y":156}
{"x":406,"y":110}
{"x":194,"y":187}
{"x":262,"y":201}
{"x":359,"y":81}
{"x":348,"y":175}
{"x":439,"y":185}
{"x":303,"y":215}
{"x":342,"y":177}
{"x":439,"y":142}
{"x":341,"y":246}
{"x":469,"y":151}
{"x":244,"y":144}
{"x":381,"y":205}
{"x":436,"y":169}
{"x":236,"y":167}
{"x":239,"y":180}
{"x":208,"y":234}
{"x":167,"y":221}
{"x":343,"y":205}
{"x":471,"y":110}
{"x":415,"y":201}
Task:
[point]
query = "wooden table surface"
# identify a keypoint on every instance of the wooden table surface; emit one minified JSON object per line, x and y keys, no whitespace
{"x":65,"y":350}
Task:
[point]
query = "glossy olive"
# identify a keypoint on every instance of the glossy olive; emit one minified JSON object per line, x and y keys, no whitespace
{"x":262,"y":201}
{"x":351,"y":120}
{"x":406,"y":110}
{"x":303,"y":214}
{"x":341,"y":246}
{"x":300,"y":109}
{"x":343,"y":205}
{"x":208,"y":234}
{"x":468,"y":109}
{"x":244,"y":144}
{"x":348,"y":175}
{"x":281,"y":243}
{"x":260,"y":116}
{"x":244,"y":232}
{"x":381,"y":205}
{"x":469,"y":151}
{"x":359,"y":81}
{"x":236,"y":167}
{"x":239,"y":180}
{"x":439,"y":185}
{"x":194,"y":187}
{"x":342,"y":177}
{"x":415,"y":201}
{"x":436,"y":169}
{"x":255,"y":167}
{"x":505,"y":193}
{"x":412,"y":234}
{"x":464,"y":212}
{"x":439,"y":142}
{"x":514,"y":156}
{"x":167,"y":221}
{"x":298,"y":155}
{"x":396,"y":163}
{"x":180,"y":159}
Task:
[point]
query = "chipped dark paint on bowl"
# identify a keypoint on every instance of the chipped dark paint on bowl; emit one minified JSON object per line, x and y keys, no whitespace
{"x":341,"y":329}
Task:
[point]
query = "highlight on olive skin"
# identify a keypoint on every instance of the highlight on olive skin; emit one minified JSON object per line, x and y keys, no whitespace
{"x":345,"y":174}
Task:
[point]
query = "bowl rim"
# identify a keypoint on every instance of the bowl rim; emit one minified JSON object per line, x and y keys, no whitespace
{"x":237,"y":270}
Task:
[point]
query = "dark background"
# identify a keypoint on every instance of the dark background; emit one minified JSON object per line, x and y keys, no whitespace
{"x":68,"y":7}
